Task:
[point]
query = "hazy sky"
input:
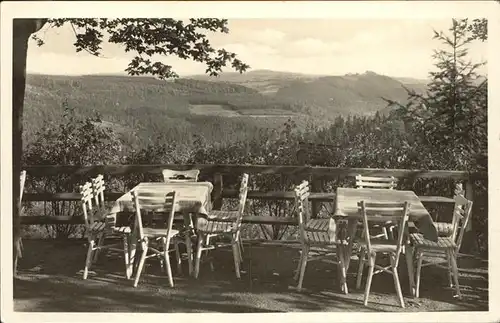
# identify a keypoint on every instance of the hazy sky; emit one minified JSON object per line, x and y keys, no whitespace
{"x":313,"y":46}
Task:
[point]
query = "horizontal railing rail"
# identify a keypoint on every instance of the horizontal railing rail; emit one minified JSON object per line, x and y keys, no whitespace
{"x":74,"y":220}
{"x":326,"y":172}
{"x":217,"y":172}
{"x":226,"y":193}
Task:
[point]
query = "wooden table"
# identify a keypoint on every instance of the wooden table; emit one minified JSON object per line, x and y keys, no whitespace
{"x":192,"y":198}
{"x":347,"y":207}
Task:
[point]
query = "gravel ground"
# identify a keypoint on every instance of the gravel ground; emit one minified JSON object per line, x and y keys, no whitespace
{"x":50,"y":281}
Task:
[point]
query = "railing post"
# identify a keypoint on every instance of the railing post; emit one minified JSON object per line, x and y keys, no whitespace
{"x":217,"y":192}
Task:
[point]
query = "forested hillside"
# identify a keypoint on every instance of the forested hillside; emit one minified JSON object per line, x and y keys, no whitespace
{"x":225,"y":109}
{"x":357,"y":94}
{"x":141,"y":108}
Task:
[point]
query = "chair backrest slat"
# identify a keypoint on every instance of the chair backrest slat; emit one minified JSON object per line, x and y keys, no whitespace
{"x":243,"y":199}
{"x":150,"y":200}
{"x":376,"y":182}
{"x":386,"y":211}
{"x":98,"y":187}
{"x":87,"y":194}
{"x":174,"y":176}
{"x":151,"y":197}
{"x":458,"y":214}
{"x":155,"y":213}
{"x":302,"y":206}
{"x":461,"y":216}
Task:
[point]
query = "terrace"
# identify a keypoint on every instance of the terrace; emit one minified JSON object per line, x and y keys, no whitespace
{"x":50,"y":270}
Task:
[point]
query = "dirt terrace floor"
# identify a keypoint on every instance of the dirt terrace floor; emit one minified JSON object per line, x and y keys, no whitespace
{"x":50,"y":281}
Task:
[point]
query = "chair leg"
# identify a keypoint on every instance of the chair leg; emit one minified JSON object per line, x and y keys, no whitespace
{"x":420,"y":259}
{"x":450,"y":269}
{"x":126,"y":256}
{"x":362,"y":254}
{"x":236,"y":257}
{"x":392,"y":228}
{"x":88,"y":260}
{"x":453,"y":257}
{"x":299,"y":265}
{"x":398,"y":286}
{"x":240,"y":249}
{"x":343,"y":272}
{"x":162,"y":264}
{"x":100,"y":242}
{"x":303,"y":264}
{"x":166,"y":255}
{"x":178,"y":256}
{"x":395,"y":275}
{"x":132,"y":253}
{"x":241,"y":246}
{"x":384,"y":231}
{"x":207,"y":243}
{"x":371,"y":266}
{"x":189,"y":250}
{"x":198,"y":255}
{"x":409,"y":255}
{"x":207,"y":252}
{"x":141,"y":262}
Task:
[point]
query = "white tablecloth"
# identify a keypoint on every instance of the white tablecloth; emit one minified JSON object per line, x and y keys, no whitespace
{"x":194,"y":197}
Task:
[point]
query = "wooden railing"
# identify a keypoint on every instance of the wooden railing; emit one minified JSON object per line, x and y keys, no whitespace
{"x":327,"y":172}
{"x":217,"y":173}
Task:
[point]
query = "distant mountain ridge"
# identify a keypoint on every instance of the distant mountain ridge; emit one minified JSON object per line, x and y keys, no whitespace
{"x":255,"y":78}
{"x":353,"y":93}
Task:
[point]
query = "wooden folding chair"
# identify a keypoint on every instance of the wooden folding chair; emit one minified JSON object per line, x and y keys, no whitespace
{"x":97,"y":230}
{"x":387,"y":183}
{"x":177,"y":176}
{"x":318,"y":237}
{"x":446,"y":249}
{"x":110,"y":230}
{"x":381,"y":212}
{"x":182,"y":176}
{"x":445,"y":229}
{"x":154,"y":227}
{"x":225,"y":224}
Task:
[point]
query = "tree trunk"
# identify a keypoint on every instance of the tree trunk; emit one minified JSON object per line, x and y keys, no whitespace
{"x":22,"y":30}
